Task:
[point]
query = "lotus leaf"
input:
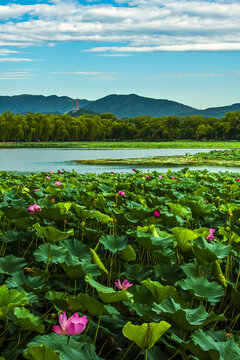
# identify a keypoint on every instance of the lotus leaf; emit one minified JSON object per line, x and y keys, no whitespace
{"x":114,"y":243}
{"x":202,"y":289}
{"x":52,"y":234}
{"x":145,"y":335}
{"x":41,"y":352}
{"x":186,"y":319}
{"x":28,"y":321}
{"x":10,"y":299}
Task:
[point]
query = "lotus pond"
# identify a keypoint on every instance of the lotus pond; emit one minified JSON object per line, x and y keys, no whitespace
{"x":120,"y":266}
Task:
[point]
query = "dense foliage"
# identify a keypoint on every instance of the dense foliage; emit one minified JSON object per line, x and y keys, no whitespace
{"x":44,"y":127}
{"x":67,"y":238}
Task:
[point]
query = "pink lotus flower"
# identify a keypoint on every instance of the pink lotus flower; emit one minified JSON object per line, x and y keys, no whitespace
{"x":237,"y":179}
{"x":52,"y":200}
{"x":119,"y":175}
{"x":47,"y":177}
{"x":122,"y":193}
{"x":172,"y":177}
{"x":157,"y":214}
{"x":133,"y":169}
{"x":34,"y":208}
{"x":36,"y":190}
{"x":112,"y":172}
{"x":73,"y":326}
{"x":58,"y":183}
{"x":59,"y":171}
{"x":160,"y":176}
{"x":51,"y":172}
{"x":210,"y":235}
{"x":147,"y":177}
{"x":124,"y":285}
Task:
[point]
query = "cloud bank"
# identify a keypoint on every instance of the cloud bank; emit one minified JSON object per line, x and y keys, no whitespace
{"x":128,"y":26}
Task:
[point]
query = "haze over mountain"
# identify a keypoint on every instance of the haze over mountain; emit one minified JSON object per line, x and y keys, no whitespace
{"x":122,"y":106}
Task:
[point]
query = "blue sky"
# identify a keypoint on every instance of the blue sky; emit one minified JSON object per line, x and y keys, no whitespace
{"x":182,"y":50}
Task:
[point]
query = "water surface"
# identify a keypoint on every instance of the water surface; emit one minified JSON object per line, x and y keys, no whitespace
{"x":52,"y":159}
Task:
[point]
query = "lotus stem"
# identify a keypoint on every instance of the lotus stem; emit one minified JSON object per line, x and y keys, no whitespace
{"x":146,"y":353}
{"x":98,"y":325}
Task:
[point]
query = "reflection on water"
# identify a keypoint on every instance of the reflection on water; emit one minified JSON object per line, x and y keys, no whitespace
{"x":37,"y":160}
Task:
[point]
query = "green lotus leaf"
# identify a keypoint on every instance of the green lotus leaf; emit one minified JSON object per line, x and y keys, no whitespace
{"x":82,"y":302}
{"x":184,"y":237}
{"x":41,"y":352}
{"x":53,"y":254}
{"x":114,"y":243}
{"x":147,"y":334}
{"x":77,"y":248}
{"x":81,"y":212}
{"x":10,"y":299}
{"x":202,"y":289}
{"x":186,"y":319}
{"x":180,"y":210}
{"x":220,"y":350}
{"x":52,"y":234}
{"x":11,"y":265}
{"x":168,"y":272}
{"x":159,"y":291}
{"x":217,"y":273}
{"x":96,"y":260}
{"x":28,"y":321}
{"x":210,"y":252}
{"x":105,"y":219}
{"x":127,"y":254}
{"x":81,"y":348}
{"x":58,"y":298}
{"x":108,"y":295}
{"x":151,"y":239}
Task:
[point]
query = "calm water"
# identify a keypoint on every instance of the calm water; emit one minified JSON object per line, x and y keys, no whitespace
{"x":37,"y":160}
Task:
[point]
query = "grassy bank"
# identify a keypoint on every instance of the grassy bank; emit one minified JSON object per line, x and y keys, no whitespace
{"x":213,"y":158}
{"x":186,"y":144}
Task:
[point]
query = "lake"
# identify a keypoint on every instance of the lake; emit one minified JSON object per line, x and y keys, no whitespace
{"x":52,"y":159}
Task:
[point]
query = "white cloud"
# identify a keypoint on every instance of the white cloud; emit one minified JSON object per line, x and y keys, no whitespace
{"x":13,"y":59}
{"x":143,"y":25}
{"x":90,"y":73}
{"x":235,"y":73}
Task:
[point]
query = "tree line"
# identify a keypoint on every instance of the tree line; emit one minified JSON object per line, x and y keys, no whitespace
{"x":54,"y":127}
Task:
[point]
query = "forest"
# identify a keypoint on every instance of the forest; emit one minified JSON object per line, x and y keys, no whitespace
{"x":55,"y":127}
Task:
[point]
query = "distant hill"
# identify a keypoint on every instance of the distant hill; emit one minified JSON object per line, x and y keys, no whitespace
{"x":39,"y":103}
{"x":122,"y":106}
{"x":126,"y":106}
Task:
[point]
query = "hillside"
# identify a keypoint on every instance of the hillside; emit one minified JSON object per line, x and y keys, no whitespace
{"x":122,"y":106}
{"x":126,"y":106}
{"x":38,"y":103}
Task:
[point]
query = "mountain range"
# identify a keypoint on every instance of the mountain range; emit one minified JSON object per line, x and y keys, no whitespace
{"x":122,"y":106}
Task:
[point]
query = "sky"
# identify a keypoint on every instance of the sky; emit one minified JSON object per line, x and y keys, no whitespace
{"x":182,"y":50}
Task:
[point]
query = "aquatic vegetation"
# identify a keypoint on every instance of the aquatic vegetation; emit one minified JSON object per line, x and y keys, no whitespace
{"x":123,"y":266}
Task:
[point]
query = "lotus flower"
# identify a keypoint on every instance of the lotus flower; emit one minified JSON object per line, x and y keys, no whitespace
{"x":48,"y":177}
{"x":237,"y":179}
{"x":160,"y":176}
{"x":34,"y":208}
{"x":147,"y":177}
{"x":157,"y":214}
{"x":172,"y":177}
{"x":210,"y":235}
{"x":58,"y":183}
{"x":122,"y":193}
{"x":36,"y":190}
{"x":124,"y":285}
{"x":73,"y":326}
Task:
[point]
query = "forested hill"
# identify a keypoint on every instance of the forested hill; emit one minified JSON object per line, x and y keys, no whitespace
{"x":126,"y":106}
{"x":39,"y":103}
{"x":122,"y":106}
